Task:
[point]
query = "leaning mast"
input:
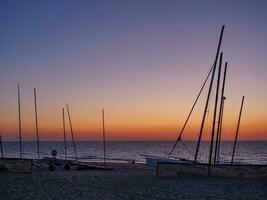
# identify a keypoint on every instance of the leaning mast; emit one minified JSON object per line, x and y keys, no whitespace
{"x":20,"y":145}
{"x":36,"y":123}
{"x":208,"y":97}
{"x":72,"y":135}
{"x":237,"y":129}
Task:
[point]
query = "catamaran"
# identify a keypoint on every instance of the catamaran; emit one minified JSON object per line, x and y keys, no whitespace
{"x":170,"y":166}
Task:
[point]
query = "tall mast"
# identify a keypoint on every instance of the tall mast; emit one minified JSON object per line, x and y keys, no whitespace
{"x":20,"y":145}
{"x":220,"y":115}
{"x":104,"y":136}
{"x":215,"y":112}
{"x":189,"y":115}
{"x":72,"y":136}
{"x":36,"y":123}
{"x":64,"y":134}
{"x":220,"y":131}
{"x":237,"y":129}
{"x":1,"y":146}
{"x":208,"y":97}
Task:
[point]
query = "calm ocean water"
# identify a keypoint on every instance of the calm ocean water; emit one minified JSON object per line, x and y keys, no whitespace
{"x":246,"y":152}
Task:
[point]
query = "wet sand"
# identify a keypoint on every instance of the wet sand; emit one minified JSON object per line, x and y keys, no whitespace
{"x":125,"y":182}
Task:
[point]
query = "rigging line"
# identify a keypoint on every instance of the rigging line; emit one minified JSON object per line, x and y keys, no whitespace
{"x":72,"y":135}
{"x":189,"y":115}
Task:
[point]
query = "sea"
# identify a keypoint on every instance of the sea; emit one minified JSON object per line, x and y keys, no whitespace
{"x":247,"y":152}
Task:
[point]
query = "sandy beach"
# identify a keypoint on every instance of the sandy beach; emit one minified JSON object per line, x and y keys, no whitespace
{"x":126,"y":181}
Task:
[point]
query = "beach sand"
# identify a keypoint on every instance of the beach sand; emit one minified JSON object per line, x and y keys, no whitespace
{"x":127,"y":181}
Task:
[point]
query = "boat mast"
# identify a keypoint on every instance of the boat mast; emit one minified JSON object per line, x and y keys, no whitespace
{"x":1,"y":146}
{"x":220,"y":116}
{"x":215,"y":111}
{"x":189,"y":115}
{"x":20,"y":145}
{"x":104,"y":136}
{"x":220,"y":131}
{"x":64,"y":134}
{"x":208,"y":97}
{"x":36,"y":124}
{"x":237,"y":129}
{"x":72,"y":136}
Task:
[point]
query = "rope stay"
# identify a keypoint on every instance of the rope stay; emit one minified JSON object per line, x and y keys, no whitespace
{"x":179,"y":138}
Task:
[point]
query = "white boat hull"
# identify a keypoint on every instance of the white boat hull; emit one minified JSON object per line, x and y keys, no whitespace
{"x":152,"y":161}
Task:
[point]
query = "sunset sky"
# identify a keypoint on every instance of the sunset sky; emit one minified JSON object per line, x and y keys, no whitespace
{"x":143,"y":61}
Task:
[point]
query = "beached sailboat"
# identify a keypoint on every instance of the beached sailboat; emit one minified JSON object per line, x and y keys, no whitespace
{"x":53,"y":163}
{"x":18,"y":165}
{"x":86,"y":165}
{"x":213,"y":168}
{"x":225,"y":170}
{"x":153,"y":160}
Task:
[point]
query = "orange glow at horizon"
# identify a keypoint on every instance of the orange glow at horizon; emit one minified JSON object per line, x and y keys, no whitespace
{"x":129,"y":125}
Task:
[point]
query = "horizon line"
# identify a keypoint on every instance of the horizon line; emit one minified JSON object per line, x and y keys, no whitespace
{"x":251,"y":140}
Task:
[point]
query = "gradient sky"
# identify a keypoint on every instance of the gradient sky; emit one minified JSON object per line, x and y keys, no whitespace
{"x":143,"y":61}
